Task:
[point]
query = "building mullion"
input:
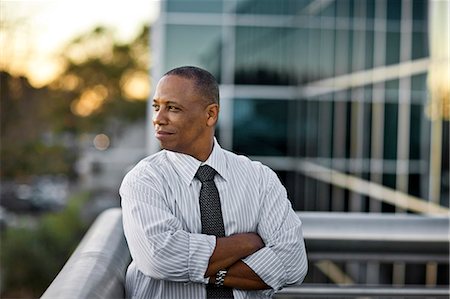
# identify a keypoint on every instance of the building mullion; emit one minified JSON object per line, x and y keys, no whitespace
{"x":403,"y":128}
{"x":340,"y":106}
{"x":227,"y":71}
{"x":357,"y":105}
{"x":377,"y":125}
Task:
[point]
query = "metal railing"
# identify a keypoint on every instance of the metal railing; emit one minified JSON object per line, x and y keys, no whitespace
{"x":97,"y":267}
{"x":326,"y":291}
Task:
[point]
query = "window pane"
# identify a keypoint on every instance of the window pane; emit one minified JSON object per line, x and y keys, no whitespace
{"x":196,"y":6}
{"x":390,"y":131}
{"x":419,"y":45}
{"x":392,"y":48}
{"x":193,"y":45}
{"x":271,"y":7}
{"x":265,"y":55}
{"x":260,"y":127}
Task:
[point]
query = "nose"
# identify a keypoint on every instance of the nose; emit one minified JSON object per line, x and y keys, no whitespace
{"x":159,"y":117}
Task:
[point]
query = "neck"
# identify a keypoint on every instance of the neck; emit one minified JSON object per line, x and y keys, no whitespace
{"x":203,"y":156}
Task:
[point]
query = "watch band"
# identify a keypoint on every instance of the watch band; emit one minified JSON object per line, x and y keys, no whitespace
{"x":220,"y":277}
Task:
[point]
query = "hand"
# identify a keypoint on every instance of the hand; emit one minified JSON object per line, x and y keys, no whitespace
{"x":231,"y":249}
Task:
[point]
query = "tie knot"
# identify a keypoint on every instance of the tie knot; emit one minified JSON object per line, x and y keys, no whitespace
{"x":205,"y":173}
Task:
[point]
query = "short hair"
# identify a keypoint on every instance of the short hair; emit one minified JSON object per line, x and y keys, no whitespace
{"x":205,"y":83}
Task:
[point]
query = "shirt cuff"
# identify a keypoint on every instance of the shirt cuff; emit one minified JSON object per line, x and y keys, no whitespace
{"x":266,"y":264}
{"x":201,"y":248}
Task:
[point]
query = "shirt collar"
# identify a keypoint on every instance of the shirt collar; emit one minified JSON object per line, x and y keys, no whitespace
{"x":186,"y":166}
{"x":217,"y":160}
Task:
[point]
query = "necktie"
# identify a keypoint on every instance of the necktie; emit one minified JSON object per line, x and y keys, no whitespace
{"x":212,"y":220}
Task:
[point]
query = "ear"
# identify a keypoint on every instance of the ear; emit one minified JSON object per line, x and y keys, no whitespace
{"x":212,"y":111}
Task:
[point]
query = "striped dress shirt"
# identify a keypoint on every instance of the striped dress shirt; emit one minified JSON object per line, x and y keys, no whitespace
{"x":161,"y":220}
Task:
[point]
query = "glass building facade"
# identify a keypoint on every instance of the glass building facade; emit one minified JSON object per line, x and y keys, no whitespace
{"x":332,"y":95}
{"x":341,"y":85}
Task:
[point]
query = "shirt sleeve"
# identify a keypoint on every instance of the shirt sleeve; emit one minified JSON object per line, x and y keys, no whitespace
{"x":283,"y":259}
{"x":158,"y":244}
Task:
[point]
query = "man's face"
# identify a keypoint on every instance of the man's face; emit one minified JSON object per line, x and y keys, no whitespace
{"x":180,"y":116}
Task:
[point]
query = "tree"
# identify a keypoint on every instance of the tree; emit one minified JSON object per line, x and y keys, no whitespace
{"x":103,"y":83}
{"x":104,"y":80}
{"x":31,"y":257}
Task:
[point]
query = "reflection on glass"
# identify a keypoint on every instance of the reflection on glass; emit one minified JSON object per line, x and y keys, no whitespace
{"x":193,"y":45}
{"x":270,"y":7}
{"x":265,"y":56}
{"x":260,"y":127}
{"x":392,"y":47}
{"x":195,"y":6}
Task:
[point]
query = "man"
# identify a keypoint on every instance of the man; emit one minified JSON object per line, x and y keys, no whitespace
{"x":232,"y":235}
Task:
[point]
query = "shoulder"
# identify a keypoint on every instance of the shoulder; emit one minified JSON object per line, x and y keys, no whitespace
{"x":148,"y":171}
{"x":241,"y":163}
{"x":150,"y":165}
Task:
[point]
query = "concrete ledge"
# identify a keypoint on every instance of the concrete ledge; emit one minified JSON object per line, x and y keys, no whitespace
{"x":97,"y":267}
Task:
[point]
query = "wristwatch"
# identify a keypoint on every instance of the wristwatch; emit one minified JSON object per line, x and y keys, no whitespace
{"x":220,"y":277}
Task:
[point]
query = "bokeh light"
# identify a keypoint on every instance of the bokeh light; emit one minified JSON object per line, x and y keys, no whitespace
{"x":101,"y":142}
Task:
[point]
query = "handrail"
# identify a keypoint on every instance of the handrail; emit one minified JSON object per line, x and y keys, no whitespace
{"x":376,"y":237}
{"x":97,"y":267}
{"x":325,"y":291}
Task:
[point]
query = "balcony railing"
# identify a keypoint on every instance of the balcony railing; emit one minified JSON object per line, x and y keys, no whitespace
{"x":97,"y":267}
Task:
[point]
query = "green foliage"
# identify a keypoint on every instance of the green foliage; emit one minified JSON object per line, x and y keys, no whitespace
{"x":94,"y":63}
{"x":31,"y":258}
{"x":40,"y":129}
{"x":35,"y":158}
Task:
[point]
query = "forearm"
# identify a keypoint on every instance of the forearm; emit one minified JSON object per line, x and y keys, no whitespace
{"x":232,"y":249}
{"x":228,"y":254}
{"x":241,"y":276}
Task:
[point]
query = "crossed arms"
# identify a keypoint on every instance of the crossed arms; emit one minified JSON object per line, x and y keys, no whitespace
{"x":270,"y":258}
{"x":228,"y":254}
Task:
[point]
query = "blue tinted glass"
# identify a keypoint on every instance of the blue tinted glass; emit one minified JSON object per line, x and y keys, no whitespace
{"x":193,"y":45}
{"x":419,"y":91}
{"x":326,"y":53}
{"x":271,"y":7}
{"x":392,"y":87}
{"x":415,"y":185}
{"x":196,"y":6}
{"x":419,"y":45}
{"x":392,"y":48}
{"x":265,"y":55}
{"x":328,"y":9}
{"x":370,"y":9}
{"x":394,"y":9}
{"x":390,"y":131}
{"x":419,"y":82}
{"x":342,"y":51}
{"x":260,"y":127}
{"x":415,"y":131}
{"x":420,"y":9}
{"x":343,"y":9}
{"x":369,"y":49}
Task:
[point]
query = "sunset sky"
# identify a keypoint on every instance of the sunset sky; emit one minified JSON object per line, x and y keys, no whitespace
{"x":32,"y":32}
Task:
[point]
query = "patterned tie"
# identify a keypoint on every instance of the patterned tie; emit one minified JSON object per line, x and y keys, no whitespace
{"x":212,"y":220}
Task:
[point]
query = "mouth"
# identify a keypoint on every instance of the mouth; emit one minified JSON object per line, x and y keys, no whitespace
{"x":162,"y":134}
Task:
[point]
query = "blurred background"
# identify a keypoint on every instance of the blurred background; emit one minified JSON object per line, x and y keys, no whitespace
{"x":74,"y":81}
{"x":347,"y":100}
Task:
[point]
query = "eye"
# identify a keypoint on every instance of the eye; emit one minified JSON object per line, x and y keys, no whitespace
{"x":155,"y":107}
{"x":173,"y":108}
